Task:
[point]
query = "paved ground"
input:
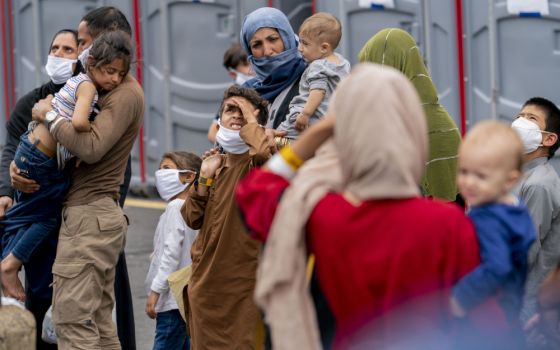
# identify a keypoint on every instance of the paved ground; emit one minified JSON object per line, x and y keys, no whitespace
{"x":144,"y":216}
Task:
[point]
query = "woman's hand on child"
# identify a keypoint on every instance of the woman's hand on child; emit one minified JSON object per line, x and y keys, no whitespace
{"x":21,"y":183}
{"x":151,"y":304}
{"x":302,"y":121}
{"x":41,"y":108}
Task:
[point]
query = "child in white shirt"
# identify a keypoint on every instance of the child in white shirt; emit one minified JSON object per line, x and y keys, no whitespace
{"x":172,"y":248}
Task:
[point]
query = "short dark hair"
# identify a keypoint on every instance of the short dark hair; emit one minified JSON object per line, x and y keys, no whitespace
{"x":235,"y":56}
{"x":252,"y":96}
{"x":184,"y":160}
{"x":109,"y":46}
{"x":106,"y":18}
{"x":63,"y":31}
{"x":552,"y":118}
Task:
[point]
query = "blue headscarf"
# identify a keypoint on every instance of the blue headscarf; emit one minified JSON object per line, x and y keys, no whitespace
{"x":274,"y":73}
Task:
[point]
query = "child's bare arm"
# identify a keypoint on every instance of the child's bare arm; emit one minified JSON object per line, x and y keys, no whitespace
{"x":84,"y":99}
{"x":313,"y":102}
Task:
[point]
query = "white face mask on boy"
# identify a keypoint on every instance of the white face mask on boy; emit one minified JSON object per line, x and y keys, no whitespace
{"x":168,"y":183}
{"x":230,"y":140}
{"x":59,"y":69}
{"x":529,"y":132}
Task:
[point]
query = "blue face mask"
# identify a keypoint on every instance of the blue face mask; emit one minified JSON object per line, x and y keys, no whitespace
{"x":264,"y":66}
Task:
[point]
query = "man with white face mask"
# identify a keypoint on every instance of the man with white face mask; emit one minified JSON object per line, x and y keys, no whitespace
{"x":224,"y":256}
{"x":538,"y":125}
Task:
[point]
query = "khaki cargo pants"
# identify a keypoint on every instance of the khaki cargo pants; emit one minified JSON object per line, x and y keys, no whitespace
{"x":90,"y":240}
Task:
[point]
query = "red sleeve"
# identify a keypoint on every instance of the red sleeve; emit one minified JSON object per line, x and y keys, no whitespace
{"x":258,"y":195}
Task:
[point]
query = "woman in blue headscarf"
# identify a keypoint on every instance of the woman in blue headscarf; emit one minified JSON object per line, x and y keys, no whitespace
{"x":272,"y":46}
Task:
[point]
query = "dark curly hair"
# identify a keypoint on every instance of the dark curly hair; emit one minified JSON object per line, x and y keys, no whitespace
{"x":252,"y":96}
{"x":109,"y":46}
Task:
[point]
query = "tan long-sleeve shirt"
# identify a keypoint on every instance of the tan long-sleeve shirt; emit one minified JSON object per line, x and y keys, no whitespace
{"x":104,"y":150}
{"x":222,"y":314}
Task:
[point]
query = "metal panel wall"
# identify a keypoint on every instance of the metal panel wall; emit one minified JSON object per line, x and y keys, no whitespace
{"x":184,"y":44}
{"x":440,"y":51}
{"x":359,"y":24}
{"x":510,"y":58}
{"x":431,"y":23}
{"x":296,"y":11}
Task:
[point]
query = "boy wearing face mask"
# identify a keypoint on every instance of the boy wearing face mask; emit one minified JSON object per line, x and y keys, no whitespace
{"x":172,"y":248}
{"x":222,"y":313}
{"x":538,"y":124}
{"x":237,"y":65}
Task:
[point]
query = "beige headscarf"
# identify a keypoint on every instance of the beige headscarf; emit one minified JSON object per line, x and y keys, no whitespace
{"x":379,"y":151}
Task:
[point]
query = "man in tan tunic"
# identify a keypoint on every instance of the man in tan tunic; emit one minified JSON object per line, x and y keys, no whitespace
{"x":222,"y":314}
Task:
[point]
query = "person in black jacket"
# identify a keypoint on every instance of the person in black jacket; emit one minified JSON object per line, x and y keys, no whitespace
{"x":38,"y":294}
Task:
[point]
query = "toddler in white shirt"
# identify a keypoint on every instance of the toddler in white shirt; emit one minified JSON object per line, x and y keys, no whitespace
{"x":172,"y":248}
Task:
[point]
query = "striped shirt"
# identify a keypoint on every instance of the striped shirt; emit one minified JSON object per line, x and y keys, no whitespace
{"x":64,"y":103}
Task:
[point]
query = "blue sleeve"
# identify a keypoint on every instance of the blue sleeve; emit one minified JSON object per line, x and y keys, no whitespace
{"x":495,"y":266}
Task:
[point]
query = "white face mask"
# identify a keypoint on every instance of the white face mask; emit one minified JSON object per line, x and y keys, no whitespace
{"x":168,"y":183}
{"x":59,"y":69}
{"x":529,"y":132}
{"x":83,"y":57}
{"x":230,"y":140}
{"x":241,"y":78}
